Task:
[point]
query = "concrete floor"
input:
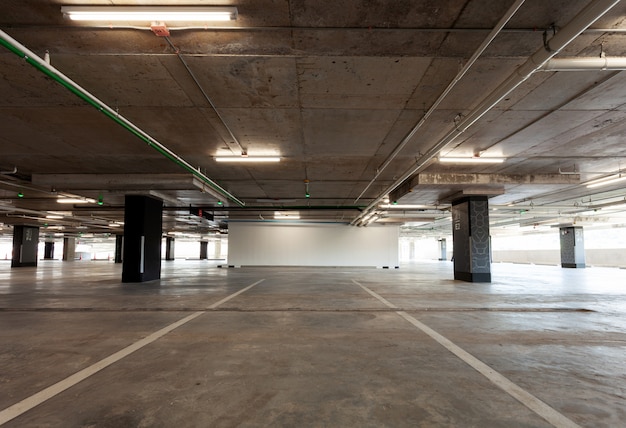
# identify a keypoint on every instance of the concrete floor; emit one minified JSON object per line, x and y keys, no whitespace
{"x":311,"y":347}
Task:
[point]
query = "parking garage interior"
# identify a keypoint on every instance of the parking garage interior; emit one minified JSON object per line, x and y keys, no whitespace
{"x":312,"y":213}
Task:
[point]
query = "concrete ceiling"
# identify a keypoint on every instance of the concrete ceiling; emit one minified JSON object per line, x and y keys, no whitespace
{"x":332,"y":87}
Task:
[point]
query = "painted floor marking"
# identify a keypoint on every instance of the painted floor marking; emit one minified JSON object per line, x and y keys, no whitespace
{"x":34,"y":400}
{"x":527,"y":399}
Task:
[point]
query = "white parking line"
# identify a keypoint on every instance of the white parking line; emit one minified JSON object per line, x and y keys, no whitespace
{"x":527,"y":399}
{"x":34,"y":400}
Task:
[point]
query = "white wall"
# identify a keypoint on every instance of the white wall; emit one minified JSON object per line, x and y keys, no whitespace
{"x":272,"y":244}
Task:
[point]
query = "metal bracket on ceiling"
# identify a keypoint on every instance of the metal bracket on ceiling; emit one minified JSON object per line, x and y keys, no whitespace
{"x":546,"y":42}
{"x":160,"y":29}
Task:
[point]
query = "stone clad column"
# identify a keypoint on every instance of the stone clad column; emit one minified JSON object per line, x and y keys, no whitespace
{"x":143,"y":223}
{"x":572,"y":247}
{"x":119,"y":248}
{"x":204,"y":250}
{"x":169,"y":248}
{"x":48,"y":250}
{"x":69,"y":249}
{"x":25,"y":246}
{"x":471,"y":240}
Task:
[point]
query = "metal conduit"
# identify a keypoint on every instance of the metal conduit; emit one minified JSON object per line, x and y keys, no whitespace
{"x":587,"y":16}
{"x":492,"y":35}
{"x":581,"y":64}
{"x":34,"y":60}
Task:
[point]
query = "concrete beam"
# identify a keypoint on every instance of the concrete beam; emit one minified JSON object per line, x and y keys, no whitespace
{"x":467,"y":179}
{"x":116,"y":181}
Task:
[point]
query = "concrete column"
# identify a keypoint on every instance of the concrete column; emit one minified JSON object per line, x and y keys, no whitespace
{"x":204,"y":247}
{"x":25,"y":242}
{"x":119,"y":248}
{"x":443,"y":250}
{"x":470,"y":236}
{"x":572,"y":247}
{"x":218,"y":249}
{"x":411,"y":249}
{"x":169,"y":248}
{"x":48,"y":251}
{"x":69,"y":249}
{"x":143,"y":223}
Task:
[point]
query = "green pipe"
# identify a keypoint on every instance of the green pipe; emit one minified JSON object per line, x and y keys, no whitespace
{"x":31,"y":58}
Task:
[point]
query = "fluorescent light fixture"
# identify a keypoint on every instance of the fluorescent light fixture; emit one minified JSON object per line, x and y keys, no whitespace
{"x":473,"y":159}
{"x":54,"y":216}
{"x":149,"y":13}
{"x":407,"y":207}
{"x":285,"y":216}
{"x":62,"y":200}
{"x":114,"y":225}
{"x":606,"y":181}
{"x":247,"y":159}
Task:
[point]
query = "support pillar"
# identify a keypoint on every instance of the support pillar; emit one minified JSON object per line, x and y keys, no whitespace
{"x":169,"y":248}
{"x":218,"y":249}
{"x":443,"y":251}
{"x":204,"y":250}
{"x":143,"y":222}
{"x":48,"y":251}
{"x":69,"y":249}
{"x":572,"y":247}
{"x":119,"y":248}
{"x":25,"y":242}
{"x":471,"y":241}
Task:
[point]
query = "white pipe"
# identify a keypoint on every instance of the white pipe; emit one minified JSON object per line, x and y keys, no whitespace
{"x":578,"y":64}
{"x":587,"y":16}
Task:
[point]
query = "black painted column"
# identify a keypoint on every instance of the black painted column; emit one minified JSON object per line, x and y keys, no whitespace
{"x":471,"y":241}
{"x":119,"y":248}
{"x":572,"y":247}
{"x":169,"y":248}
{"x":48,"y":251}
{"x":25,"y":242}
{"x":204,"y":250}
{"x":143,"y":222}
{"x":69,"y":249}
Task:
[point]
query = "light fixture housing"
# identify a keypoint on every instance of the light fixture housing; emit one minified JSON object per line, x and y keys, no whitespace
{"x":63,"y":200}
{"x":472,"y":159}
{"x":280,"y":215}
{"x":167,"y":14}
{"x":251,"y":159}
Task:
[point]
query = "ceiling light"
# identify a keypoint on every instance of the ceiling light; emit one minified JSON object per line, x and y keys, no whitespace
{"x":286,"y":216}
{"x":62,"y":200}
{"x":54,"y":216}
{"x":407,"y":207}
{"x":606,"y":181}
{"x":473,"y":159}
{"x":247,"y":159}
{"x":149,"y":13}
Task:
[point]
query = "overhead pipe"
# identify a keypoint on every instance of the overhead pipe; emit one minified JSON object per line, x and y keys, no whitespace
{"x":234,"y":139}
{"x":582,"y":64}
{"x":492,"y":35}
{"x":587,"y":16}
{"x":41,"y":65}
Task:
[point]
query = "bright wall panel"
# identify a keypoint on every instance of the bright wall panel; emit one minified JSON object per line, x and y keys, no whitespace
{"x":271,"y":244}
